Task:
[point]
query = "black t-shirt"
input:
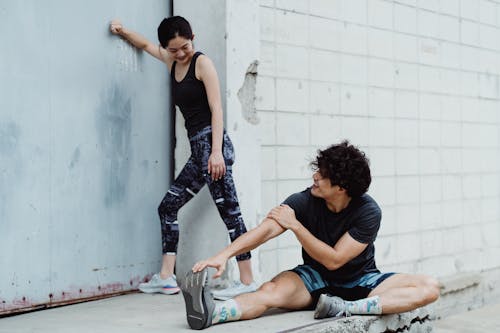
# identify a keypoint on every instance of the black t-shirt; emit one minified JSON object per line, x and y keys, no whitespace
{"x":191,"y":97}
{"x":361,"y":219}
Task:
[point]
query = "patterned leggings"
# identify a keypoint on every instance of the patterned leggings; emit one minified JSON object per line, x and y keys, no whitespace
{"x":192,"y":178}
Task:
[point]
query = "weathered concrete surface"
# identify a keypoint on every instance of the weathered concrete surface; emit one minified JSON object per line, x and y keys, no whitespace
{"x":137,"y":313}
{"x":417,"y":321}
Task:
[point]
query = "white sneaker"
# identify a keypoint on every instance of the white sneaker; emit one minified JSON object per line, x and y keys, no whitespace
{"x":238,"y":289}
{"x":166,"y":286}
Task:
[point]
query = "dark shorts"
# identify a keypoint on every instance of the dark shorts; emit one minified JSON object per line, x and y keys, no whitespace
{"x":350,"y":291}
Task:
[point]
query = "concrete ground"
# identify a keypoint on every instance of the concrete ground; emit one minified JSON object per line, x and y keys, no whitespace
{"x":134,"y":313}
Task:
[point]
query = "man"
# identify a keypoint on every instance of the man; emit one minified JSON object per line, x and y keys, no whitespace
{"x":336,"y":223}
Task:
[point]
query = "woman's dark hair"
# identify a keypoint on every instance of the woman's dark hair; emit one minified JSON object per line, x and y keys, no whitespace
{"x":172,"y":27}
{"x":346,"y":166}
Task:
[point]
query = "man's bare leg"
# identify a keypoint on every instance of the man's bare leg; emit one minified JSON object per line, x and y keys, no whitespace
{"x":406,"y":292}
{"x":286,"y":291}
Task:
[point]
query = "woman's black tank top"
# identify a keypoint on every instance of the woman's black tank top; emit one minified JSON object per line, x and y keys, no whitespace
{"x":191,"y":97}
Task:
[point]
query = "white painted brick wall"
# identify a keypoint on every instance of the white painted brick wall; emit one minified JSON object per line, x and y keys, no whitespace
{"x":416,"y":84}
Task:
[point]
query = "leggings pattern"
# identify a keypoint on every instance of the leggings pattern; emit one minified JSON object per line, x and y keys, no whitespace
{"x":189,"y":182}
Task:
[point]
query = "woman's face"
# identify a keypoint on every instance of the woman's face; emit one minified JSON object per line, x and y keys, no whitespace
{"x":180,"y":49}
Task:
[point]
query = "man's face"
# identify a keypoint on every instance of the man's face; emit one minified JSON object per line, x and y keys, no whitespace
{"x":322,"y":187}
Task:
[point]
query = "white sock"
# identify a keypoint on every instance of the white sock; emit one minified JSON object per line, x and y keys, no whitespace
{"x":226,"y":311}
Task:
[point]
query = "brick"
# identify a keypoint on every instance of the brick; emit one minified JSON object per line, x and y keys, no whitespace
{"x":386,"y":250}
{"x":469,"y":108}
{"x":472,"y":186}
{"x":469,"y":9}
{"x":450,"y":82}
{"x":324,"y":66}
{"x":355,"y":10}
{"x":265,"y":93}
{"x":430,"y":107}
{"x":428,"y":24}
{"x":380,"y":14}
{"x":325,"y":130}
{"x":353,"y":69}
{"x":292,"y":163}
{"x":406,"y":76}
{"x":473,"y":238}
{"x":324,"y":98}
{"x":488,"y":37}
{"x":289,"y":258}
{"x":450,"y":108}
{"x":468,"y":57}
{"x":430,"y":216}
{"x":432,"y":243}
{"x":287,"y":59}
{"x":470,"y":208}
{"x":489,"y":86}
{"x":354,"y":100}
{"x":489,"y":185}
{"x":432,"y":189}
{"x":267,"y":127}
{"x":407,"y":190}
{"x":382,"y":162}
{"x":380,"y":102}
{"x":429,"y":51}
{"x":292,"y":28}
{"x":491,"y":234}
{"x":381,"y":132}
{"x":451,"y":134}
{"x":289,"y":187}
{"x":292,"y":129}
{"x":470,"y":158}
{"x":469,"y":32}
{"x":354,"y":39}
{"x":268,"y":196}
{"x":409,"y":218}
{"x":389,"y":223}
{"x":431,"y":5}
{"x":406,"y":162}
{"x":453,"y":215}
{"x":489,"y":209}
{"x":267,"y":25}
{"x":430,"y":133}
{"x":430,"y":79}
{"x":356,"y":130}
{"x":267,"y":61}
{"x":405,"y":47}
{"x":293,"y":5}
{"x":405,"y":19}
{"x":380,"y":43}
{"x":450,"y":7}
{"x":450,"y":55}
{"x":381,"y":73}
{"x":449,"y":28}
{"x":452,"y":187}
{"x":408,"y":247}
{"x":406,"y":104}
{"x":325,"y":33}
{"x":453,"y":240}
{"x":383,"y":190}
{"x":430,"y":162}
{"x":268,"y":163}
{"x":292,"y":95}
{"x":326,"y":8}
{"x":268,"y":262}
{"x":451,"y":160}
{"x":488,"y":111}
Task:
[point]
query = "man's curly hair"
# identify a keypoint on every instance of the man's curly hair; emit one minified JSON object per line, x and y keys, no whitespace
{"x":346,"y":166}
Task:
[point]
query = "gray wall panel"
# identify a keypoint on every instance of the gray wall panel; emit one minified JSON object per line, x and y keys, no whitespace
{"x":84,"y":150}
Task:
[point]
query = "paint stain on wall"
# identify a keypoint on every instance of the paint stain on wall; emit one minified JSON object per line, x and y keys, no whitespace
{"x":114,"y":132}
{"x":75,"y":158}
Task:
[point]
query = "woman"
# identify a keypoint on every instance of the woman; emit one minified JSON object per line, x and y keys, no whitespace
{"x":195,"y":89}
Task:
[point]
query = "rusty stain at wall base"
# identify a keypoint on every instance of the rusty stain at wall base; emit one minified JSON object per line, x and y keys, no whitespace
{"x":246,"y":94}
{"x":75,"y":295}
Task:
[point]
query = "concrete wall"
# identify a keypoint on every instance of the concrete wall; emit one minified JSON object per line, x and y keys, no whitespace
{"x":227,"y":32}
{"x":84,"y":150}
{"x":416,"y":84}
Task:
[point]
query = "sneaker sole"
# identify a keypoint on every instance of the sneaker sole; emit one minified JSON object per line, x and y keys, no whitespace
{"x":170,"y":291}
{"x":199,"y":302}
{"x":321,"y":308}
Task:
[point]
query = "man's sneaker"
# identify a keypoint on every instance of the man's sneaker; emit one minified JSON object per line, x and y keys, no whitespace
{"x":238,"y":289}
{"x":199,"y":302}
{"x":330,"y":306}
{"x":166,"y":286}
